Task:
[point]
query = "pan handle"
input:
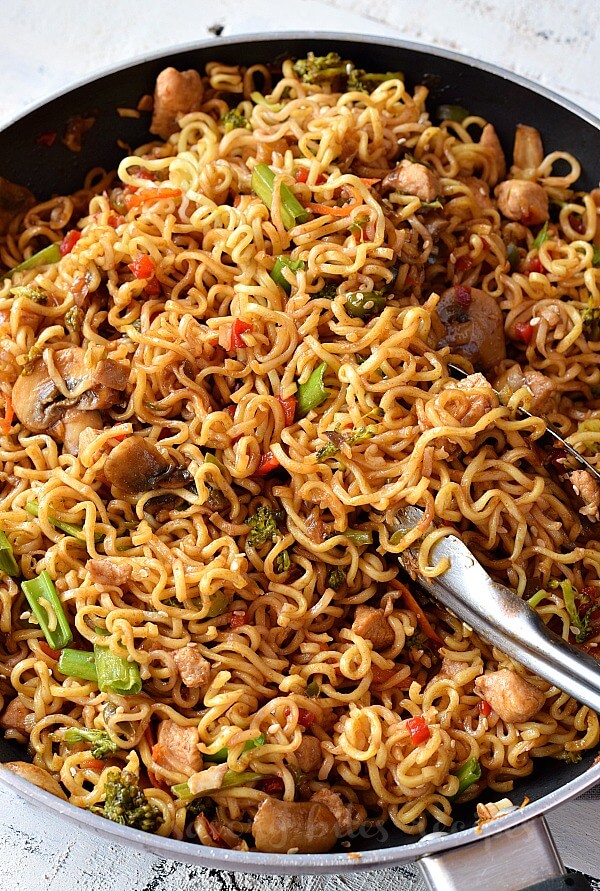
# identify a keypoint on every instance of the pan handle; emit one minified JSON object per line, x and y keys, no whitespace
{"x":520,"y":859}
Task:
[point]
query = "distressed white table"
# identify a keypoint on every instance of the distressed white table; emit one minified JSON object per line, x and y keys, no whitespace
{"x":47,"y":46}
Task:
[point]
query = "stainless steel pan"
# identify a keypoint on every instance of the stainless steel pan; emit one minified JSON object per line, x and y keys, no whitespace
{"x":515,"y":851}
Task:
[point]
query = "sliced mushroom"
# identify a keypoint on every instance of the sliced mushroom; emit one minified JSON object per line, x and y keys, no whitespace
{"x":111,"y":374}
{"x":473,"y":326}
{"x":137,"y":466}
{"x":37,"y":776}
{"x":72,"y":424}
{"x":307,"y":827}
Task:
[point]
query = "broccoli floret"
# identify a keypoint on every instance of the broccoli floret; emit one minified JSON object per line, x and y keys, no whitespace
{"x":590,"y":316}
{"x":328,"y":291}
{"x":337,"y":577}
{"x":264,"y":526}
{"x":366,"y":82}
{"x":570,"y":757}
{"x":125,"y":803}
{"x":321,"y":69}
{"x":31,"y":292}
{"x":337,"y":439}
{"x":282,"y":562}
{"x":102,"y":744}
{"x":235,"y":120}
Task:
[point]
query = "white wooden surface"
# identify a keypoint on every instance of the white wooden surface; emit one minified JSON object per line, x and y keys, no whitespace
{"x":46,"y":46}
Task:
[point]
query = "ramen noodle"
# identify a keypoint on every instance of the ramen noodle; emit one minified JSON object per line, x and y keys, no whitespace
{"x":219,"y":393}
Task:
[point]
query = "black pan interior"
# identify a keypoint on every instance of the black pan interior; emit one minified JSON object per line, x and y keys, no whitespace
{"x":55,"y":169}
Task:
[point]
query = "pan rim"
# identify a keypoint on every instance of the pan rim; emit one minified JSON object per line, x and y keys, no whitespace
{"x":300,"y":864}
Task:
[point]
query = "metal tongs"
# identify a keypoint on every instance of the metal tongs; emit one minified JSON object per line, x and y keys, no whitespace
{"x":501,"y":617}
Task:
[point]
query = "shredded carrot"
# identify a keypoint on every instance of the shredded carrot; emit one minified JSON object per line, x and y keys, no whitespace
{"x":92,"y":764}
{"x":145,"y":195}
{"x":422,"y":619}
{"x":9,"y":414}
{"x":369,"y":182}
{"x":335,"y":211}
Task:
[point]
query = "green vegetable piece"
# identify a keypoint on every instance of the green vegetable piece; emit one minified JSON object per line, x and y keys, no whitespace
{"x":364,"y":304}
{"x":321,"y":69}
{"x":582,"y":624}
{"x":337,"y":577}
{"x":259,"y":99}
{"x":8,"y":564}
{"x":570,"y":757}
{"x":452,"y":113}
{"x":102,"y":744}
{"x":68,"y":528}
{"x":358,"y":537}
{"x":48,"y":255}
{"x":512,"y":255}
{"x":282,"y":562}
{"x":264,"y":526}
{"x":282,"y":263}
{"x":590,"y":317}
{"x":541,"y":237}
{"x":220,"y":602}
{"x":232,"y":778}
{"x":366,"y":82}
{"x":31,"y":292}
{"x":537,"y":598}
{"x":312,"y":689}
{"x":221,"y":756}
{"x":327,"y":292}
{"x":468,"y":773}
{"x":596,"y":257}
{"x":78,"y":664}
{"x":235,"y":120}
{"x":125,"y":803}
{"x":45,"y":604}
{"x":263,"y":184}
{"x":116,"y":674}
{"x":312,"y":392}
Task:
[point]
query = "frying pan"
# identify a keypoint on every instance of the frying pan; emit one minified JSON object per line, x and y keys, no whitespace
{"x":510,"y":853}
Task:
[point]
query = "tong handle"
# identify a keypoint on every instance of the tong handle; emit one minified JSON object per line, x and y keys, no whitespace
{"x":508,"y":622}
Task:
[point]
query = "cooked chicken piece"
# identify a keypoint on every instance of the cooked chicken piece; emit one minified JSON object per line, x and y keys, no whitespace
{"x":372,"y":624}
{"x":473,"y":326}
{"x":37,"y":776}
{"x":176,"y":93}
{"x":414,"y":179}
{"x":104,"y":571}
{"x":14,"y":200}
{"x":136,"y":466}
{"x":72,"y":425}
{"x":309,"y":754}
{"x":349,"y":816}
{"x":17,"y":716}
{"x":480,"y":192}
{"x":542,"y":389}
{"x":528,"y":151}
{"x":479,"y":403}
{"x":208,"y":780}
{"x":307,"y":827}
{"x":588,"y":490}
{"x":489,"y":140}
{"x":451,"y":667}
{"x":177,"y":748}
{"x":193,"y":668}
{"x":38,"y":402}
{"x":109,"y":373}
{"x":519,"y":199}
{"x":512,"y":697}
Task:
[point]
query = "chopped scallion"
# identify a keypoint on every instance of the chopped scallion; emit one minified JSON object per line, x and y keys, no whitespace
{"x":68,"y":528}
{"x":358,"y":537}
{"x":8,"y":564}
{"x":78,"y":664}
{"x":221,"y":756}
{"x":116,"y":674}
{"x":452,"y":113}
{"x":48,"y":255}
{"x":263,"y":184}
{"x":468,"y":773}
{"x":45,"y":603}
{"x":282,"y":263}
{"x":232,"y":778}
{"x":312,"y":392}
{"x":541,"y":237}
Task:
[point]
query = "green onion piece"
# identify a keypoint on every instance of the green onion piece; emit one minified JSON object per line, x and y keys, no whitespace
{"x":259,"y":99}
{"x":596,"y":257}
{"x":221,"y":756}
{"x":312,"y":392}
{"x":364,"y":304}
{"x":452,"y":113}
{"x":581,"y":624}
{"x":115,"y":674}
{"x":68,"y":528}
{"x":42,"y":589}
{"x":358,"y":536}
{"x":512,"y":255}
{"x":209,"y":458}
{"x":541,"y":237}
{"x":282,"y":263}
{"x":49,"y":254}
{"x":8,"y":564}
{"x":78,"y":664}
{"x":232,"y":778}
{"x":537,"y":598}
{"x":263,"y":183}
{"x":219,"y":604}
{"x":469,"y":773}
{"x":312,"y":689}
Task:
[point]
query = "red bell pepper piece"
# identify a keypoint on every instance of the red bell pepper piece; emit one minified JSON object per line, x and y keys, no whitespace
{"x":268,"y":462}
{"x":535,"y":265}
{"x":485,"y":708}
{"x":419,"y":730}
{"x":142,"y":266}
{"x":47,"y":139}
{"x":69,"y":242}
{"x":524,"y":332}
{"x":238,"y":328}
{"x":289,"y":406}
{"x":238,"y":618}
{"x":153,"y":287}
{"x":305,"y":718}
